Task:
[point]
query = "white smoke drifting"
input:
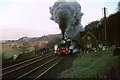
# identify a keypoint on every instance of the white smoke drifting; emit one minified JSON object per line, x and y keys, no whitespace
{"x":71,"y":11}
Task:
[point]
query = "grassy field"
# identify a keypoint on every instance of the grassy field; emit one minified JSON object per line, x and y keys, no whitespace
{"x":8,"y":52}
{"x":91,"y":65}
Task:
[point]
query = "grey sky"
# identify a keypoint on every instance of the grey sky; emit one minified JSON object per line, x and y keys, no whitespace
{"x":31,"y":17}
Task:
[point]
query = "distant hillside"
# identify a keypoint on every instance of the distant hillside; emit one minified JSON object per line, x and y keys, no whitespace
{"x":27,"y":44}
{"x":43,"y":38}
{"x":51,"y":39}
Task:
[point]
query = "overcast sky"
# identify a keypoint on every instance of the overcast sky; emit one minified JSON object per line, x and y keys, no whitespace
{"x":31,"y":18}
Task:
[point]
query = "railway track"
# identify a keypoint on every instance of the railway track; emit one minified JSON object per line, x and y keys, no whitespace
{"x":30,"y":68}
{"x":19,"y":65}
{"x":23,"y":69}
{"x":41,"y":70}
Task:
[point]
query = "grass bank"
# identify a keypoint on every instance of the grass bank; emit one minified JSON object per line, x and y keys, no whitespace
{"x":91,"y":65}
{"x":8,"y":52}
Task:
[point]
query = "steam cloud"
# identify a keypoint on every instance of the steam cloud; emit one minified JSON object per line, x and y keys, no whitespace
{"x":68,"y":15}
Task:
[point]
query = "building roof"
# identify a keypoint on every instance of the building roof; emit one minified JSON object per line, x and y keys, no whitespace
{"x":88,"y":33}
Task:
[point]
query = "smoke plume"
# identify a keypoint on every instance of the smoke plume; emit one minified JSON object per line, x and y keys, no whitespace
{"x":68,"y":16}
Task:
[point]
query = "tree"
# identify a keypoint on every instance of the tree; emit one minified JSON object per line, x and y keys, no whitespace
{"x":92,"y":25}
{"x":24,"y":47}
{"x":119,"y":6}
{"x":96,"y":28}
{"x":112,"y":26}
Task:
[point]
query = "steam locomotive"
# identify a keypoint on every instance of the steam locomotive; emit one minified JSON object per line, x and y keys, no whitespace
{"x":65,"y":47}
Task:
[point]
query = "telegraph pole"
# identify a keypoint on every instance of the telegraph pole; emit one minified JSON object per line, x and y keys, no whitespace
{"x":105,"y":26}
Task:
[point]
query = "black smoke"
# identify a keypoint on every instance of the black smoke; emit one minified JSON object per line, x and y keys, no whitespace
{"x":68,"y":16}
